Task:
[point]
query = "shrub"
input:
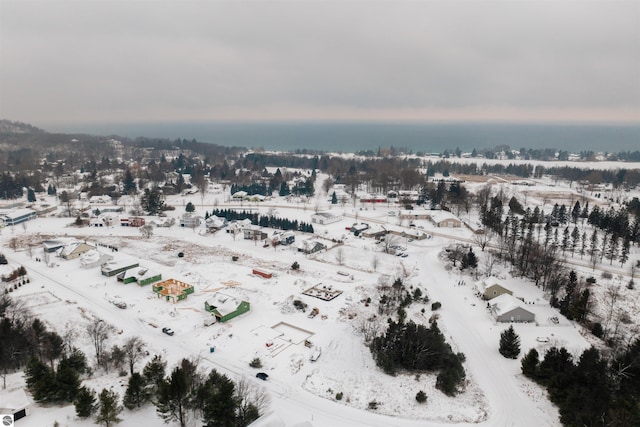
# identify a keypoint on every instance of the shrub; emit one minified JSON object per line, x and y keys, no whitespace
{"x":300,"y":305}
{"x":373,"y":405}
{"x":606,"y":275}
{"x":339,"y":396}
{"x":421,"y":397}
{"x":435,"y":306}
{"x":256,"y":363}
{"x":295,"y":266}
{"x":597,"y":330}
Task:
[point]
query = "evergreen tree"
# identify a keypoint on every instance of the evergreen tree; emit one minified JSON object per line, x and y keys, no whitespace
{"x":284,"y":189}
{"x":172,"y":402}
{"x":67,"y":383}
{"x":31,"y":195}
{"x":530,"y":364}
{"x":509,"y":343}
{"x":85,"y":402}
{"x":136,"y":395}
{"x":624,"y":253}
{"x":108,"y":408}
{"x":190,"y":207}
{"x":334,"y":199}
{"x":220,"y":403}
{"x":153,"y":374}
{"x":40,"y":380}
{"x":129,"y":185}
{"x":151,"y":201}
{"x":575,"y":213}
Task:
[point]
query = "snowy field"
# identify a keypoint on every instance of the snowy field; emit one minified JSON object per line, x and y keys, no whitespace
{"x":302,"y":392}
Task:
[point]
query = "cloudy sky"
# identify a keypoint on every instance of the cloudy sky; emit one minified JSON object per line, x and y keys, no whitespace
{"x":93,"y":61}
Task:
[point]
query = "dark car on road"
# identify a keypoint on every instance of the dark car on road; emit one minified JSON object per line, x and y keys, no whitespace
{"x":262,"y":376}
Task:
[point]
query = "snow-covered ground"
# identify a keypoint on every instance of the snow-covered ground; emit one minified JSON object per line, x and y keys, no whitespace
{"x":496,"y":394}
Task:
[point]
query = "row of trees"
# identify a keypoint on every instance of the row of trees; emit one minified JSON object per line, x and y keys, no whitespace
{"x":262,"y":220}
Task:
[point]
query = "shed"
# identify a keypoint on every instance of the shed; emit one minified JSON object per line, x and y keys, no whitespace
{"x":262,"y":273}
{"x":225,"y":308}
{"x":507,"y":308}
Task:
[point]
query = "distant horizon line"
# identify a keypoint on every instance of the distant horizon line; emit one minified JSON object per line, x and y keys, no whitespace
{"x":102,"y":124}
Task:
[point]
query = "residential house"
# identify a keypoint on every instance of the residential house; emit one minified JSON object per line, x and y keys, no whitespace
{"x":172,"y":290}
{"x":445,"y":219}
{"x":225,"y":308}
{"x":142,"y":276}
{"x":100,"y":199}
{"x":491,"y":290}
{"x":94,"y":258}
{"x":111,"y":268}
{"x":507,"y":308}
{"x":311,"y":246}
{"x":254,"y":232}
{"x":74,"y":250}
{"x":190,"y":221}
{"x":215,"y":223}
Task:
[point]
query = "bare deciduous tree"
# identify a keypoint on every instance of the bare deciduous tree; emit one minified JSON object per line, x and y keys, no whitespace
{"x":339,"y":254}
{"x":375,"y":261}
{"x":98,"y":331}
{"x":250,"y":397}
{"x":146,"y":231}
{"x":133,"y":349}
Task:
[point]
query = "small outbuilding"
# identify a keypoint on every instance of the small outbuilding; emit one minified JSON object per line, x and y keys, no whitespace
{"x":15,"y":403}
{"x":262,"y":273}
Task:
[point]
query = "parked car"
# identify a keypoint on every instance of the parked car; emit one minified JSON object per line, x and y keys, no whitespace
{"x":262,"y":376}
{"x":167,"y":331}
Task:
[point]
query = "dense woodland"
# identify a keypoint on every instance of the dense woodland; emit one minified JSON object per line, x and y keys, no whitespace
{"x":54,"y":368}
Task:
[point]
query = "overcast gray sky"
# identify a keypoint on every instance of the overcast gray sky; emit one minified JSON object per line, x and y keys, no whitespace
{"x":119,"y":61}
